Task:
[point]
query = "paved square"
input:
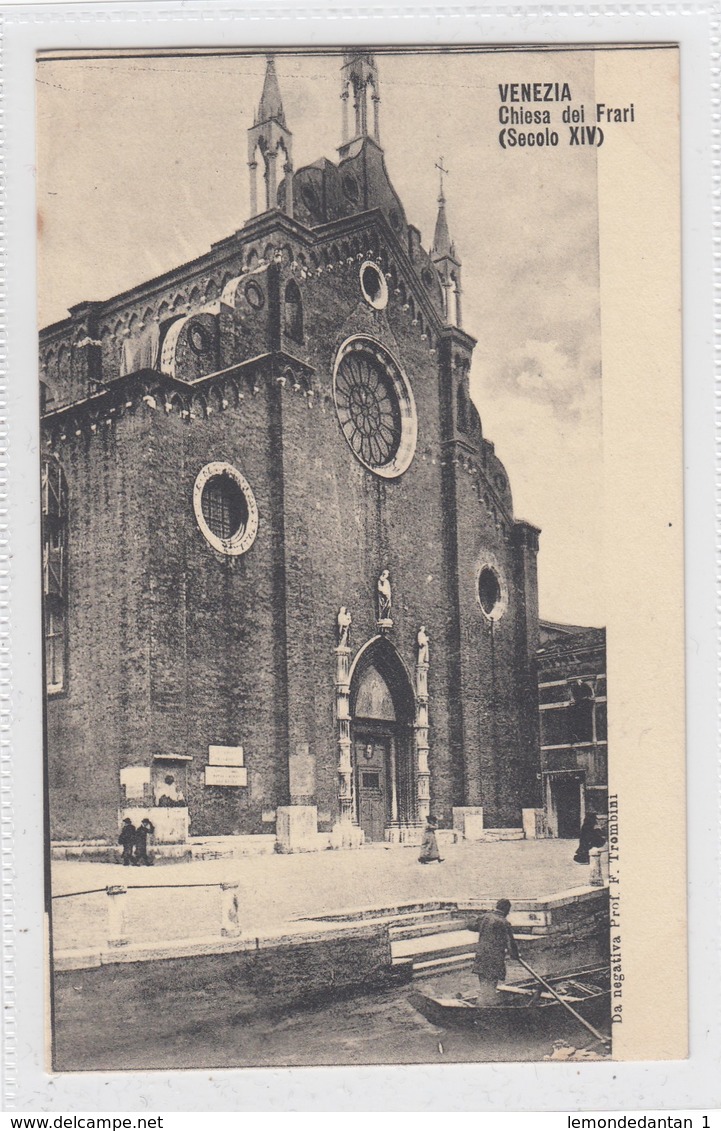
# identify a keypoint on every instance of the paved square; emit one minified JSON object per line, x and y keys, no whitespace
{"x":274,"y":890}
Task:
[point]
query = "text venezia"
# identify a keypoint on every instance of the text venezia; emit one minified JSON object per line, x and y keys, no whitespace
{"x":584,"y":126}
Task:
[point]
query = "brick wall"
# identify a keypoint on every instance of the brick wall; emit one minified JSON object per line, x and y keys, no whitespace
{"x":174,"y":646}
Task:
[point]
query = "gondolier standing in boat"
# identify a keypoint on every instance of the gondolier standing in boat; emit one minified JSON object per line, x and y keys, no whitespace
{"x":495,"y":940}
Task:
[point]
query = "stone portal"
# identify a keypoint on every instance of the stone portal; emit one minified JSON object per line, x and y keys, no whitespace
{"x":383,"y":771}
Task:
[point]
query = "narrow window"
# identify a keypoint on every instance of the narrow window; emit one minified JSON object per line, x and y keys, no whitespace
{"x":462,"y":409}
{"x":293,"y":312}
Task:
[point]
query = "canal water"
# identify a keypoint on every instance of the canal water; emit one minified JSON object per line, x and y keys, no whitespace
{"x":382,"y":1028}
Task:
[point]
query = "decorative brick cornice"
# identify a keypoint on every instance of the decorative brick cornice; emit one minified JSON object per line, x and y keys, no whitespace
{"x":155,"y":391}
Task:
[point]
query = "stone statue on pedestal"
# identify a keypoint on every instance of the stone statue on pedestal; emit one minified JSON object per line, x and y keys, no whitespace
{"x":344,"y":623}
{"x":384,"y":597}
{"x":423,"y":645}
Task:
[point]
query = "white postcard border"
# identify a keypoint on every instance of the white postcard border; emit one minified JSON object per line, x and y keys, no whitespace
{"x":612,"y":1085}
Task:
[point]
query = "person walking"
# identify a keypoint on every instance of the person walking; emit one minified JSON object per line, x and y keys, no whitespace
{"x":145,"y":829}
{"x":429,"y":845}
{"x":495,"y":940}
{"x":127,"y":840}
{"x":591,"y":837}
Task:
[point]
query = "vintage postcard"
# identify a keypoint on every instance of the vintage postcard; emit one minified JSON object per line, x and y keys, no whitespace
{"x":340,"y":764}
{"x":358,"y":431}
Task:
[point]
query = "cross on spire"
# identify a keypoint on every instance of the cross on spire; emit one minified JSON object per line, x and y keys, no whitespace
{"x":442,"y":170}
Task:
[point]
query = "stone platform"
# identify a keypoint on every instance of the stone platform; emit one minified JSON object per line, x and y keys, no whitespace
{"x":174,"y":903}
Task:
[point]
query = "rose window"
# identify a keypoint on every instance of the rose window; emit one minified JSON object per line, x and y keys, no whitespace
{"x":375,"y":407}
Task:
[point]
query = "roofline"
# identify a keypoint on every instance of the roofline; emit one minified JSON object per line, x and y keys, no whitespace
{"x":223,"y":250}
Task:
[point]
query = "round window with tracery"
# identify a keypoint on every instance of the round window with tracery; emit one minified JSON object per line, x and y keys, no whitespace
{"x":375,"y":407}
{"x":225,"y":509}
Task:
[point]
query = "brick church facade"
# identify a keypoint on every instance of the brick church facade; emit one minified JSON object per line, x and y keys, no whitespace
{"x":281,"y":566}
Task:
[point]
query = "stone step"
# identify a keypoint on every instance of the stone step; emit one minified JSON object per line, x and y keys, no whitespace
{"x":441,"y":944}
{"x":231,"y":847}
{"x":417,"y":928}
{"x":430,"y":966}
{"x":502,"y":834}
{"x":426,"y":911}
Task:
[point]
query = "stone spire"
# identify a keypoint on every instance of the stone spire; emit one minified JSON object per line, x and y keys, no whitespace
{"x":359,"y":76}
{"x":448,"y":265}
{"x":269,"y":136}
{"x":271,"y":103}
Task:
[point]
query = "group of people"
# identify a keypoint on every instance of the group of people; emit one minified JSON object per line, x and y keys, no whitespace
{"x":134,"y":842}
{"x":591,"y":837}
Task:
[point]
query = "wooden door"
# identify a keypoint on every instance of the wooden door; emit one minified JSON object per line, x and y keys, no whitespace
{"x":370,"y":761}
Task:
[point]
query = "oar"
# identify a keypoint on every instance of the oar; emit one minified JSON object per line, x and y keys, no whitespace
{"x":599,"y":1036}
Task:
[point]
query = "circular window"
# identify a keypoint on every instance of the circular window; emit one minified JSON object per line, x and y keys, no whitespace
{"x":225,"y":509}
{"x":373,"y":286}
{"x":198,"y":338}
{"x":491,"y":594}
{"x":254,"y":295}
{"x":350,"y":188}
{"x":375,"y":407}
{"x":427,"y":277}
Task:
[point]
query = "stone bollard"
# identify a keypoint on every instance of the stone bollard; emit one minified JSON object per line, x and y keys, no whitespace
{"x":229,"y":910}
{"x":116,"y":915}
{"x":594,"y":858}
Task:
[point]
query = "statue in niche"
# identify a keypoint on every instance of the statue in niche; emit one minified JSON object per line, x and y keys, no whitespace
{"x":384,"y":596}
{"x":423,"y":645}
{"x":344,"y":623}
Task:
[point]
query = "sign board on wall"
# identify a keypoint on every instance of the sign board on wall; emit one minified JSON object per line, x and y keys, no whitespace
{"x":225,"y":756}
{"x":226,"y":775}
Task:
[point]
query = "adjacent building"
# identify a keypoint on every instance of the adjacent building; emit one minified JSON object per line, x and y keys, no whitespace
{"x":574,"y":725}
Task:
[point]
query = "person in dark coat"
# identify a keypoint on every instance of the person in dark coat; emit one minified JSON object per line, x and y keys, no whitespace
{"x":145,"y":829}
{"x":127,"y":840}
{"x":429,"y":845}
{"x":591,"y":837}
{"x":495,"y":940}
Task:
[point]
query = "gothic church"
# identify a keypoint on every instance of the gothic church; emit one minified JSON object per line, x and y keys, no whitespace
{"x":281,"y":569}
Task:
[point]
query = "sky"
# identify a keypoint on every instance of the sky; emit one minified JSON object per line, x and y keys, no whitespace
{"x":142,"y":164}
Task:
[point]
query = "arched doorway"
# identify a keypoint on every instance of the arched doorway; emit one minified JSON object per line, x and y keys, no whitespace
{"x":382,"y":707}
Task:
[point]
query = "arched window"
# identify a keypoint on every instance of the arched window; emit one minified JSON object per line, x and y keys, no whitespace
{"x":55,"y":520}
{"x":452,"y":294}
{"x":293,"y":312}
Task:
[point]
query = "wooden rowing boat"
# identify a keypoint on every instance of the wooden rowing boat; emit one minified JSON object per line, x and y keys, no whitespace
{"x":525,"y":1006}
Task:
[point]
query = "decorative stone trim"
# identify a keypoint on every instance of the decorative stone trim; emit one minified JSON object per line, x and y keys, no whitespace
{"x":377,"y":296}
{"x":501,"y":604}
{"x":342,"y":714}
{"x":423,"y":773}
{"x":245,"y":537}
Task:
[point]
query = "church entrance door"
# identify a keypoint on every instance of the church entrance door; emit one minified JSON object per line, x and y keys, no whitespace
{"x":372,"y":783}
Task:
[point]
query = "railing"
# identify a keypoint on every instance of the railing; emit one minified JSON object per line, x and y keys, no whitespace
{"x":228,"y":908}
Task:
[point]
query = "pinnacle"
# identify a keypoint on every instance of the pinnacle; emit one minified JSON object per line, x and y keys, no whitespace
{"x":441,"y":239}
{"x":271,"y":103}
